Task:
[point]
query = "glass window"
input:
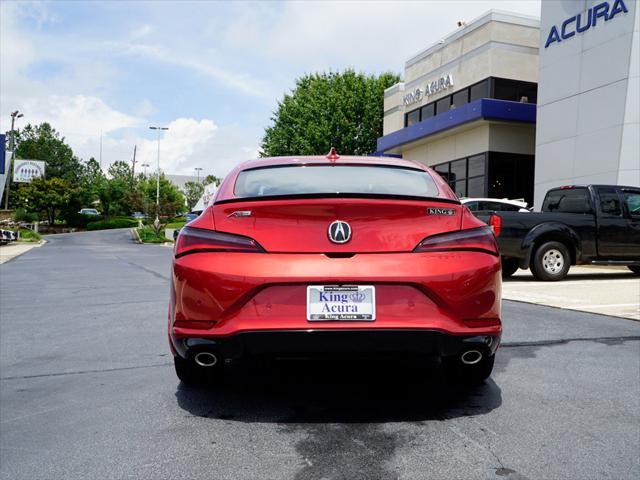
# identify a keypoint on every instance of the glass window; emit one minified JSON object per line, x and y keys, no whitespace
{"x":413,"y":117}
{"x":504,"y":89}
{"x":428,"y":111}
{"x":473,"y":206}
{"x":476,"y":187}
{"x":460,"y":188}
{"x":528,"y":92}
{"x":632,"y":200}
{"x":443,"y":105}
{"x":334,"y":180}
{"x":460,"y":98}
{"x":479,"y":90}
{"x":609,"y":202}
{"x":567,"y":200}
{"x":476,"y":165}
{"x":458,"y":170}
{"x":443,"y":170}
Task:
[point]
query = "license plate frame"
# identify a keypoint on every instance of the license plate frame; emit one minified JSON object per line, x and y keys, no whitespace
{"x":361,"y":298}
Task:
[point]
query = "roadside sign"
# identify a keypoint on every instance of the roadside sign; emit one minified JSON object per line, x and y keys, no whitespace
{"x":26,"y":170}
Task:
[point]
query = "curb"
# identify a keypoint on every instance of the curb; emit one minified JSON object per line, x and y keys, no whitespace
{"x":135,"y":236}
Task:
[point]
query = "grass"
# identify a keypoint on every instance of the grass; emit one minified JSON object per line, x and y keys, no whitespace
{"x":148,"y":235}
{"x":27,"y":235}
{"x":176,"y":224}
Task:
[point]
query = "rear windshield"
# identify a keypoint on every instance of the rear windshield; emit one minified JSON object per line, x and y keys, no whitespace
{"x":567,"y":200}
{"x":333,"y":180}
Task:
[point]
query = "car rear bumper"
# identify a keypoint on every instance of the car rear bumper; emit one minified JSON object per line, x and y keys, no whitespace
{"x":245,"y":302}
{"x":339,"y":341}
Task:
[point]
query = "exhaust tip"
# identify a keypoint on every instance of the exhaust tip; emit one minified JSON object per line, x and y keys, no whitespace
{"x":471,"y":357}
{"x":206,"y":359}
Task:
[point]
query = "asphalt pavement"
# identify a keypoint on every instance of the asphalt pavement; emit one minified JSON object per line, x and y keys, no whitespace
{"x":87,"y":390}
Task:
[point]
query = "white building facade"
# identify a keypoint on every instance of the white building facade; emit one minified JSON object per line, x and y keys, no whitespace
{"x":588,"y":128}
{"x":511,"y":105}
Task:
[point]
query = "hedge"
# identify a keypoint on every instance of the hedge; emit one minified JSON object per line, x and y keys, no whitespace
{"x":118,"y":222}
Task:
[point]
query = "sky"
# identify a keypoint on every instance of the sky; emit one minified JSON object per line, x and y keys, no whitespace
{"x":211,"y":71}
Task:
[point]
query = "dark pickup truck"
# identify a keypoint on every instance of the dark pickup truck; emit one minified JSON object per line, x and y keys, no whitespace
{"x":593,"y":224}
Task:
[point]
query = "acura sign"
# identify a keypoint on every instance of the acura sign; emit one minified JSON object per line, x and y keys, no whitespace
{"x":436,"y":86}
{"x":602,"y":12}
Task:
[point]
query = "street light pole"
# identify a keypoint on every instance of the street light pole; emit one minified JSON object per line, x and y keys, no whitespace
{"x":159,"y":130}
{"x":198,"y":170}
{"x":9,"y":173}
{"x":145,"y":165}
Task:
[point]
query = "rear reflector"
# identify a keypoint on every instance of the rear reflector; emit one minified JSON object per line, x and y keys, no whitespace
{"x":192,"y":240}
{"x":474,"y":239}
{"x":495,"y":222}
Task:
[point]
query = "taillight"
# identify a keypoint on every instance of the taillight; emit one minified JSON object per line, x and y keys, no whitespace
{"x":474,"y":239}
{"x":192,"y":240}
{"x":495,"y":222}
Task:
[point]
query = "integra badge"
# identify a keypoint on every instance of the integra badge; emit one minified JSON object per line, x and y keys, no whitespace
{"x":441,"y":211}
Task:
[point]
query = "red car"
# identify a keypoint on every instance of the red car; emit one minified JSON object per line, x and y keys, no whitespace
{"x":332,"y":255}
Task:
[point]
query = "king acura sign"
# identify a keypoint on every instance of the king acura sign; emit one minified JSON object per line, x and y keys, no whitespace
{"x":433,"y":87}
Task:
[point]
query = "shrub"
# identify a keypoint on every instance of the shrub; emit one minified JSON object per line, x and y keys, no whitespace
{"x":21,"y":215}
{"x":79,"y":220}
{"x":148,"y":235}
{"x":117,"y":222}
{"x":27,"y":235}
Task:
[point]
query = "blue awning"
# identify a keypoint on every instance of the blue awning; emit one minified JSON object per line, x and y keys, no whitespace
{"x":483,"y":109}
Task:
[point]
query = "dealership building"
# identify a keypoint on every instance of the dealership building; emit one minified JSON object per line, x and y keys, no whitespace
{"x":510,"y":105}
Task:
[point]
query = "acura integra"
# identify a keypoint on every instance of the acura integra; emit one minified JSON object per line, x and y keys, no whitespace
{"x":330,"y":255}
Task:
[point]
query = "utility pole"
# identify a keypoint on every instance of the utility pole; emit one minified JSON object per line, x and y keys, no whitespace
{"x":14,"y":115}
{"x":133,"y":164}
{"x":198,"y":170}
{"x":159,"y":130}
{"x":100,"y":150}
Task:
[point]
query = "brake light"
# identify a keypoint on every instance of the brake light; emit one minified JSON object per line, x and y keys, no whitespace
{"x":193,"y":240}
{"x":495,"y":222}
{"x":474,"y":239}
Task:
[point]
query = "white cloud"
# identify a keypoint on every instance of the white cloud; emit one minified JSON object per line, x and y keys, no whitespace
{"x":78,"y":115}
{"x":142,"y":31}
{"x":188,"y":143}
{"x":382,"y":34}
{"x":210,"y":67}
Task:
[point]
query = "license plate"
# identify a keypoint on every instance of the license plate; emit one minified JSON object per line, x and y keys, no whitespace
{"x":347,"y":303}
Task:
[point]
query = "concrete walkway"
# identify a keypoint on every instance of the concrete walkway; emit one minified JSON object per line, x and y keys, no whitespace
{"x":8,"y":252}
{"x":610,"y":291}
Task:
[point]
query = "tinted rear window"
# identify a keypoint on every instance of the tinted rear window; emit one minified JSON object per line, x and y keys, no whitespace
{"x":567,"y":200}
{"x":334,"y":179}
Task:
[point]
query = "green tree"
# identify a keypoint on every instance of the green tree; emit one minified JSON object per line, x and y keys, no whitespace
{"x":43,"y":142}
{"x":192,"y":192}
{"x":212,"y":179}
{"x":171,"y":198}
{"x":343,"y":110}
{"x":48,"y":196}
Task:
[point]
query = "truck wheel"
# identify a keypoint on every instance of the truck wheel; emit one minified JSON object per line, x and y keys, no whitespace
{"x":635,"y":269}
{"x":551,"y":262}
{"x":509,"y":267}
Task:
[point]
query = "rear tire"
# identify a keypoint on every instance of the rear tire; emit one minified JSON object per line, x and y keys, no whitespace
{"x":468,"y":374}
{"x":634,"y":268}
{"x":191,"y":374}
{"x":551,"y":262}
{"x":509,"y":267}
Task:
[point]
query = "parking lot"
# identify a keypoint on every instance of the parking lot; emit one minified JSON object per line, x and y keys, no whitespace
{"x":604,"y":290}
{"x":87,"y":389}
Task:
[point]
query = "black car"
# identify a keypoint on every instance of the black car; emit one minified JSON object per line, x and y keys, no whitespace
{"x":592,"y":224}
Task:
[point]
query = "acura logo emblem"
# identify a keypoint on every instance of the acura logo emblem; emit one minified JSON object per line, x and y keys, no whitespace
{"x":339,"y":232}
